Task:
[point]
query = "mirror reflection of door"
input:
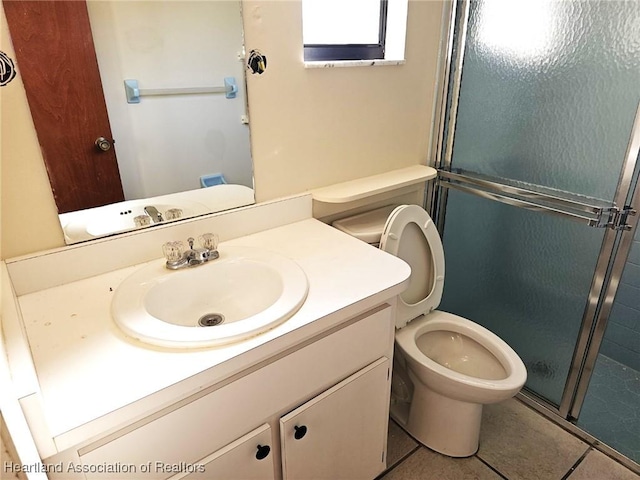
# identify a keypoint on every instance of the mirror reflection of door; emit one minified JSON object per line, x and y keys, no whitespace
{"x":57,"y":61}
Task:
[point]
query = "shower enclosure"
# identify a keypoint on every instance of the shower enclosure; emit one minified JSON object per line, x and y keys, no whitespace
{"x":539,"y":134}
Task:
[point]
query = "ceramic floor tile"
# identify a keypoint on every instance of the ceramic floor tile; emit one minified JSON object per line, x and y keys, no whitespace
{"x":597,"y":466}
{"x":399,"y":444}
{"x":522,"y":444}
{"x":424,"y":464}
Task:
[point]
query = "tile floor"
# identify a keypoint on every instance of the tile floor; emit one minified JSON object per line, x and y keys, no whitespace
{"x":516,"y":443}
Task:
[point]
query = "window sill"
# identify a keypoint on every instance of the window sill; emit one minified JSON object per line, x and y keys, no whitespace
{"x":352,"y":63}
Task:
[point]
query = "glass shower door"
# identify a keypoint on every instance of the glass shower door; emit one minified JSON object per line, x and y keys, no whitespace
{"x":611,"y":408}
{"x":549,"y":92}
{"x":545,"y":97}
{"x":523,"y":275}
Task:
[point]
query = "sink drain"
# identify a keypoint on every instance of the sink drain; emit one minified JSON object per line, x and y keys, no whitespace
{"x":211,"y":320}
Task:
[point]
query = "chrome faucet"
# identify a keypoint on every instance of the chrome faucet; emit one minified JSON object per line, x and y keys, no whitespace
{"x":153,"y":212}
{"x":177,"y":257}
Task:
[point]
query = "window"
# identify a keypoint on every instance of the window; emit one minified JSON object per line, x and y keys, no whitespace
{"x":353,"y":29}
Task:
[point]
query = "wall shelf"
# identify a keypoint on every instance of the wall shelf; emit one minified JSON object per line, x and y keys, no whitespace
{"x":369,"y":186}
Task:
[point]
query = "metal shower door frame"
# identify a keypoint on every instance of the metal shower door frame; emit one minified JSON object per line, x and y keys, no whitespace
{"x":617,"y":239}
{"x":611,"y":262}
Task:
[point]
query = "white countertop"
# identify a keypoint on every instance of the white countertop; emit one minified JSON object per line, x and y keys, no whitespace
{"x":94,"y":379}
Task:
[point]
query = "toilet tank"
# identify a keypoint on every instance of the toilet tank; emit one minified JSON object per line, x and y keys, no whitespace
{"x":366,"y":226}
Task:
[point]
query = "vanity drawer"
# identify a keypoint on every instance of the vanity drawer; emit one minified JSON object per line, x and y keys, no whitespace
{"x":209,"y":422}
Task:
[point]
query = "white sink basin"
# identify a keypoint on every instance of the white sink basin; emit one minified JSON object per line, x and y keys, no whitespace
{"x":245,"y":292}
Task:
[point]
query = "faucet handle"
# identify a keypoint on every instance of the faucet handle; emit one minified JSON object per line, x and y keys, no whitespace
{"x":142,"y":220}
{"x":173,"y":251}
{"x":173,"y":214}
{"x":209,"y":241}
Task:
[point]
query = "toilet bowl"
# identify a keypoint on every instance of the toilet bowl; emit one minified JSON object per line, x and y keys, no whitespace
{"x":455,"y":367}
{"x":446,"y":367}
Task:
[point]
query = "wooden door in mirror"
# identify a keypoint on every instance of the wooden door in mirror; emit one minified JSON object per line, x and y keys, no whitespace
{"x":57,"y":61}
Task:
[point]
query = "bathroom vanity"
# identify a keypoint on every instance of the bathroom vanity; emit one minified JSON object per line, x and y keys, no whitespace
{"x":307,"y":399}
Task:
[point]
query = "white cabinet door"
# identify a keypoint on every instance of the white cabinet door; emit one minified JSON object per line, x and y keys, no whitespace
{"x":248,"y":458}
{"x":341,"y":433}
{"x":211,"y":421}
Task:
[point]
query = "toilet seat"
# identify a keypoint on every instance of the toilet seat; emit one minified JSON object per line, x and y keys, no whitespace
{"x":411,"y":235}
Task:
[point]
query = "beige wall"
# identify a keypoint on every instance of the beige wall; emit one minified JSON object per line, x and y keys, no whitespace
{"x":309,"y":127}
{"x":315,"y":127}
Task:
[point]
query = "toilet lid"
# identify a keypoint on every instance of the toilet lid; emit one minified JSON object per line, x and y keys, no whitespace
{"x":411,"y":235}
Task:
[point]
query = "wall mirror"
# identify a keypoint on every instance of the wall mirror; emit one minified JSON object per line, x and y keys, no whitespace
{"x":176,"y":140}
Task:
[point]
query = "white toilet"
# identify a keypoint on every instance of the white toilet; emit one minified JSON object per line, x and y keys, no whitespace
{"x":445,"y":366}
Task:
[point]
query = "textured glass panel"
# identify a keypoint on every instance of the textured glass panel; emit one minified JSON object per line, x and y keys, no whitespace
{"x":622,"y":337}
{"x":523,"y":275}
{"x":549,"y":92}
{"x":611,"y":409}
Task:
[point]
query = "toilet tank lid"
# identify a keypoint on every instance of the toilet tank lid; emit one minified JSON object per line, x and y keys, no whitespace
{"x":367,"y":226}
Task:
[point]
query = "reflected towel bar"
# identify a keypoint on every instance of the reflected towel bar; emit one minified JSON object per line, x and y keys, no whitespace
{"x":133,"y":92}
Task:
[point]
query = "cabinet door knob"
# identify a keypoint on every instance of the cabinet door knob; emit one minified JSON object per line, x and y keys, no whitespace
{"x":263,"y":451}
{"x":300,"y":431}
